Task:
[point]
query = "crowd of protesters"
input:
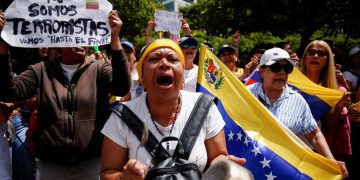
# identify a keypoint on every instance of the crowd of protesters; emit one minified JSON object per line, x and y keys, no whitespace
{"x":57,"y":135}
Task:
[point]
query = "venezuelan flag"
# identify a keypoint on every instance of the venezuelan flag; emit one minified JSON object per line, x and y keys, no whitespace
{"x":175,"y":37}
{"x":271,"y":150}
{"x":92,"y":5}
{"x":320,"y":99}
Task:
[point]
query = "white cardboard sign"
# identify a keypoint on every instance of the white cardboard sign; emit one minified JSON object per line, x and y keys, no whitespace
{"x":57,"y":23}
{"x":168,"y":21}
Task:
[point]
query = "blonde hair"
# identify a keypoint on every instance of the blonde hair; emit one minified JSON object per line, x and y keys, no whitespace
{"x":327,"y":74}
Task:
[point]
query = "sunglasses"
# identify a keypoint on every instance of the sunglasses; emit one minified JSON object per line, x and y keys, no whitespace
{"x":276,"y":67}
{"x":186,"y":46}
{"x":320,"y":53}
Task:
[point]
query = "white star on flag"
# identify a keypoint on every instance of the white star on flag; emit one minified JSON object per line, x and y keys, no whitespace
{"x":270,"y":176}
{"x":231,"y":135}
{"x":239,"y":135}
{"x":265,"y":163}
{"x":256,"y":150}
{"x":246,"y":141}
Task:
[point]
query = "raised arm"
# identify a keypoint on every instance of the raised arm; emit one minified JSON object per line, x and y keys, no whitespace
{"x":236,"y":41}
{"x":119,"y":75}
{"x":149,"y":28}
{"x":185,"y":27}
{"x":21,"y":88}
{"x":4,"y":49}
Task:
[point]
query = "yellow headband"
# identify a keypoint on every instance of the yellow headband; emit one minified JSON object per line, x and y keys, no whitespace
{"x":159,"y":43}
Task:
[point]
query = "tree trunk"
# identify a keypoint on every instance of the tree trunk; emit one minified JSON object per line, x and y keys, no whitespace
{"x":305,"y":38}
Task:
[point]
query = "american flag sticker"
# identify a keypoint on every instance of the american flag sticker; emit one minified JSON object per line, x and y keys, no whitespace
{"x":92,"y":5}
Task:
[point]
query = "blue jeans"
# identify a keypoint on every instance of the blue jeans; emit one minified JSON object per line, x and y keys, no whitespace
{"x":5,"y":163}
{"x":20,"y":149}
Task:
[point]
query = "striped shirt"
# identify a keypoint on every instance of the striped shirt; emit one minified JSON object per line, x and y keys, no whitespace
{"x":290,"y":108}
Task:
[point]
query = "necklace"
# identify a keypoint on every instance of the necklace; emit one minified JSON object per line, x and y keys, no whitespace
{"x":172,"y":125}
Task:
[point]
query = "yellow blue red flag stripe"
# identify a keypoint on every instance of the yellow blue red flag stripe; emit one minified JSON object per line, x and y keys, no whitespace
{"x":271,"y":150}
{"x":320,"y":99}
{"x":92,"y":5}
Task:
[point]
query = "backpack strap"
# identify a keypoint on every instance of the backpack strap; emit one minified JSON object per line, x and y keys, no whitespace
{"x":137,"y":126}
{"x":195,"y":122}
{"x":188,"y":136}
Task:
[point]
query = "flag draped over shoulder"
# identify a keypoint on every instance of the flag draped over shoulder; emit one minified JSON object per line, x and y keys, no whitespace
{"x":320,"y":99}
{"x":271,"y":150}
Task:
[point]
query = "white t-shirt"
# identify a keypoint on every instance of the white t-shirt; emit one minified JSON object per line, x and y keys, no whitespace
{"x":190,"y":77}
{"x":117,"y":131}
{"x":69,"y":70}
{"x":136,"y":89}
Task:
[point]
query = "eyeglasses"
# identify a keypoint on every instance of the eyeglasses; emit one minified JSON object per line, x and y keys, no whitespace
{"x":186,"y":46}
{"x":276,"y":67}
{"x":320,"y":53}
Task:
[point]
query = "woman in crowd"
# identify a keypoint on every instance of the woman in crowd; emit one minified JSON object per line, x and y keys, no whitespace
{"x":319,"y":66}
{"x":72,"y":93}
{"x":165,"y":110}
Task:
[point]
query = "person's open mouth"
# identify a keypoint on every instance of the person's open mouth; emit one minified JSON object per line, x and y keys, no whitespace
{"x":165,"y":81}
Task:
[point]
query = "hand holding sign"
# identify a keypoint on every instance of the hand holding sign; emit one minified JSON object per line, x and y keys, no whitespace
{"x":3,"y":46}
{"x":168,"y":21}
{"x":2,"y":21}
{"x":116,"y":25}
{"x":57,"y":23}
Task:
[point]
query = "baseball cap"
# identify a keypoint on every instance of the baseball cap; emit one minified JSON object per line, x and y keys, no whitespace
{"x":127,"y":44}
{"x":273,"y":55}
{"x":188,"y":40}
{"x":354,"y":50}
{"x":225,"y":48}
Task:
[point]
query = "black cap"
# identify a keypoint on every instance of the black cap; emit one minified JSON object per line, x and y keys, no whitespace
{"x":188,"y":40}
{"x":225,"y":48}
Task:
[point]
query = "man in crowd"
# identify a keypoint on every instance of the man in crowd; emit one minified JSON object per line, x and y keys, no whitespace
{"x":228,"y":55}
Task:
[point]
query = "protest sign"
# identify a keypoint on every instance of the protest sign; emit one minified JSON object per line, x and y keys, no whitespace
{"x":168,"y":21}
{"x":57,"y":23}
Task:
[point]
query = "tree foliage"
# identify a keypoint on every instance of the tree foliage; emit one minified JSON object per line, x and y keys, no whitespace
{"x":280,"y":17}
{"x":135,"y":14}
